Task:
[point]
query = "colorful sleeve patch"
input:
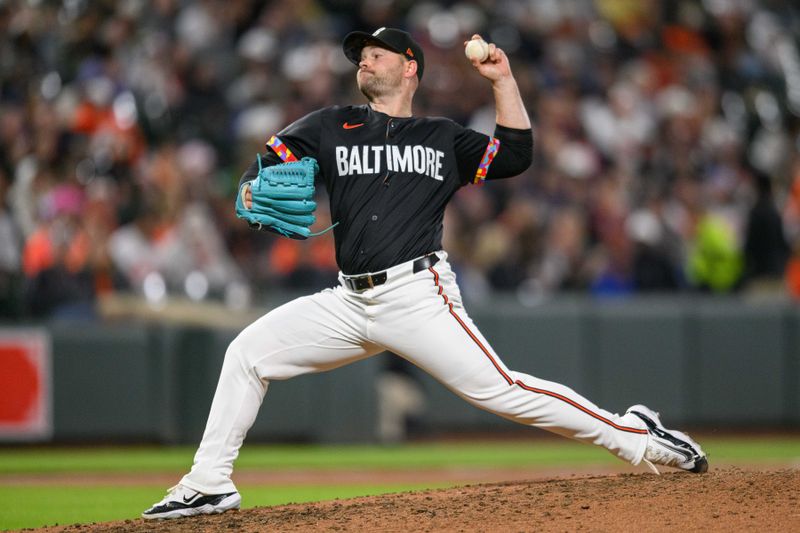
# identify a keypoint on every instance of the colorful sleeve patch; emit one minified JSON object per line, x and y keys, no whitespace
{"x":488,"y":157}
{"x":281,"y":149}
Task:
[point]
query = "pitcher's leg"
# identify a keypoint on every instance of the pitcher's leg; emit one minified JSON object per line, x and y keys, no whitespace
{"x":440,"y":338}
{"x":310,"y":334}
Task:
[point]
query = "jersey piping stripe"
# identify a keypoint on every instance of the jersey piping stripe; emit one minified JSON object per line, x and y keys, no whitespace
{"x":519,"y":382}
{"x":488,"y":157}
{"x":281,"y":149}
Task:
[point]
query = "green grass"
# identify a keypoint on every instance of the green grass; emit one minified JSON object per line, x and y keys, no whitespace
{"x":754,"y":450}
{"x":303,"y":457}
{"x":61,"y":505}
{"x":33,"y":506}
{"x":271,"y":457}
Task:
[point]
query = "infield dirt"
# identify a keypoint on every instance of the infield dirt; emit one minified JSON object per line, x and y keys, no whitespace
{"x":726,"y":499}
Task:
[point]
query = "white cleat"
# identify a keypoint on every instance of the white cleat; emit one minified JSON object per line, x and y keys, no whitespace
{"x":182,"y":501}
{"x":667,"y":447}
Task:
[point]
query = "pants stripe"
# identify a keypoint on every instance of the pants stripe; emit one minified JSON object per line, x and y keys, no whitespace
{"x":518,"y":382}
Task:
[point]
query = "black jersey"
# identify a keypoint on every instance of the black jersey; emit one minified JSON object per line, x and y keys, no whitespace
{"x":389,"y":179}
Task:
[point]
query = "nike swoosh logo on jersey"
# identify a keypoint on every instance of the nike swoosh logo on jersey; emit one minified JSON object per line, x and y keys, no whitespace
{"x":351,"y":126}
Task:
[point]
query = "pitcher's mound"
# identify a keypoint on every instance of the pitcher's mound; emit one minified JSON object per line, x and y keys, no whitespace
{"x":721,"y":500}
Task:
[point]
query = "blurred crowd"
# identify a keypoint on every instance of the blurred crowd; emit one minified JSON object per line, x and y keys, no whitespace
{"x":667,"y":144}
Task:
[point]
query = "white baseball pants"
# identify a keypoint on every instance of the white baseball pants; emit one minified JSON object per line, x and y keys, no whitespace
{"x":417,"y":316}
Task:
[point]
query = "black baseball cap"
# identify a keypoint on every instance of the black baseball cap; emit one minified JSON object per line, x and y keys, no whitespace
{"x":397,"y":41}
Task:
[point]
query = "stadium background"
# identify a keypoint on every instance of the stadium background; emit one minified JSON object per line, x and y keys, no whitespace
{"x":651,"y":250}
{"x":658,"y":125}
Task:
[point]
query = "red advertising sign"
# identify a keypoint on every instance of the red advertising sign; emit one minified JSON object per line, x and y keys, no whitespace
{"x":25,"y":385}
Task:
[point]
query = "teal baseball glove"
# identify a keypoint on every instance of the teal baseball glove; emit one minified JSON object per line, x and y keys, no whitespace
{"x":282,"y":198}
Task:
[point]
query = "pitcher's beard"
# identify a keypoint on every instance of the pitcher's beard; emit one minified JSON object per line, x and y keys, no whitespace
{"x":374,"y":87}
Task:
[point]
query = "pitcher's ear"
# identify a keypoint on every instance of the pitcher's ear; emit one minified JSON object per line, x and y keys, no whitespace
{"x":411,"y":68}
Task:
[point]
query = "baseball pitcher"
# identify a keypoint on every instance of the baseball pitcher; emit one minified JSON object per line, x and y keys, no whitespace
{"x":389,"y":176}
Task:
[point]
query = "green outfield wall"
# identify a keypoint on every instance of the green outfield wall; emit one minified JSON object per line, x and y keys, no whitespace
{"x":711,"y":363}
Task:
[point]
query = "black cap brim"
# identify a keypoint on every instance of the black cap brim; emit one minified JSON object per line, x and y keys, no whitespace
{"x":355,"y":41}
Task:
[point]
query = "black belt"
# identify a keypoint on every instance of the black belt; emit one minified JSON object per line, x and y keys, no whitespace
{"x":368,"y":281}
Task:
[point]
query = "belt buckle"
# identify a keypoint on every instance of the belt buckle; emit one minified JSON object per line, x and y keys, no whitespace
{"x":355,"y":283}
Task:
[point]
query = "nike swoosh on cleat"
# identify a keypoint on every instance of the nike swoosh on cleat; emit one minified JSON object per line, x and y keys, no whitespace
{"x":190,"y":500}
{"x":679,"y":446}
{"x":352,"y":126}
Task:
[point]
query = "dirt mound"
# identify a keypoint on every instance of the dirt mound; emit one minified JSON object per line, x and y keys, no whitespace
{"x":722,"y":500}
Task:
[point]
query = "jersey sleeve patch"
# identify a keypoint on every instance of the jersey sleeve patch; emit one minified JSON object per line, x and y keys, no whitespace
{"x":281,"y":149}
{"x":488,"y":157}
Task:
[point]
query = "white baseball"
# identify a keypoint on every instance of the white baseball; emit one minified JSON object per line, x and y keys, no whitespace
{"x":477,"y":49}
